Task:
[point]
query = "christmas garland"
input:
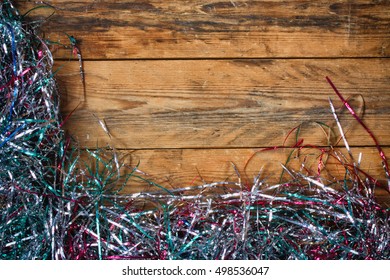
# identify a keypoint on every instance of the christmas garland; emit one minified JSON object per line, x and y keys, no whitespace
{"x":60,"y":202}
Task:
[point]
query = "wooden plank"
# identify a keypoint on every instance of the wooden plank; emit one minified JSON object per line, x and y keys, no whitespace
{"x":223,"y":103}
{"x":214,"y":29}
{"x":190,"y":167}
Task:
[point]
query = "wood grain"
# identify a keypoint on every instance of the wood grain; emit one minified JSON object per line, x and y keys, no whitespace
{"x":182,"y":168}
{"x":220,"y":29}
{"x":188,"y":87}
{"x":223,"y":103}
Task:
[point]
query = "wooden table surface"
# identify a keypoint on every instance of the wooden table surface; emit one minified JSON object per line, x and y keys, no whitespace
{"x":189,"y":87}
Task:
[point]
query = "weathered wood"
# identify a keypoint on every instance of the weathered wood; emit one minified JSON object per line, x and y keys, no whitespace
{"x":220,"y":29}
{"x":187,"y":120}
{"x":223,"y":104}
{"x":190,"y":167}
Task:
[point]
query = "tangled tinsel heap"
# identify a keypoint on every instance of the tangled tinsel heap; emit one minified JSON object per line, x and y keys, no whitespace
{"x":53,"y":205}
{"x":30,"y":139}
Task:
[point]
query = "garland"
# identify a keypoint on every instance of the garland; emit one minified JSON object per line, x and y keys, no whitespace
{"x":54,"y":205}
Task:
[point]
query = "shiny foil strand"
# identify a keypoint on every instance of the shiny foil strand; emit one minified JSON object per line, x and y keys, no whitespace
{"x":58,"y":201}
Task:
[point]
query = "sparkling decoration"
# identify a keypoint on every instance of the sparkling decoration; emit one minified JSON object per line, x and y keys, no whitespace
{"x":58,"y":201}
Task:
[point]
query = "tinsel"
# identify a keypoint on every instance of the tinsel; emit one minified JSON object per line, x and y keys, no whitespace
{"x":60,"y":202}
